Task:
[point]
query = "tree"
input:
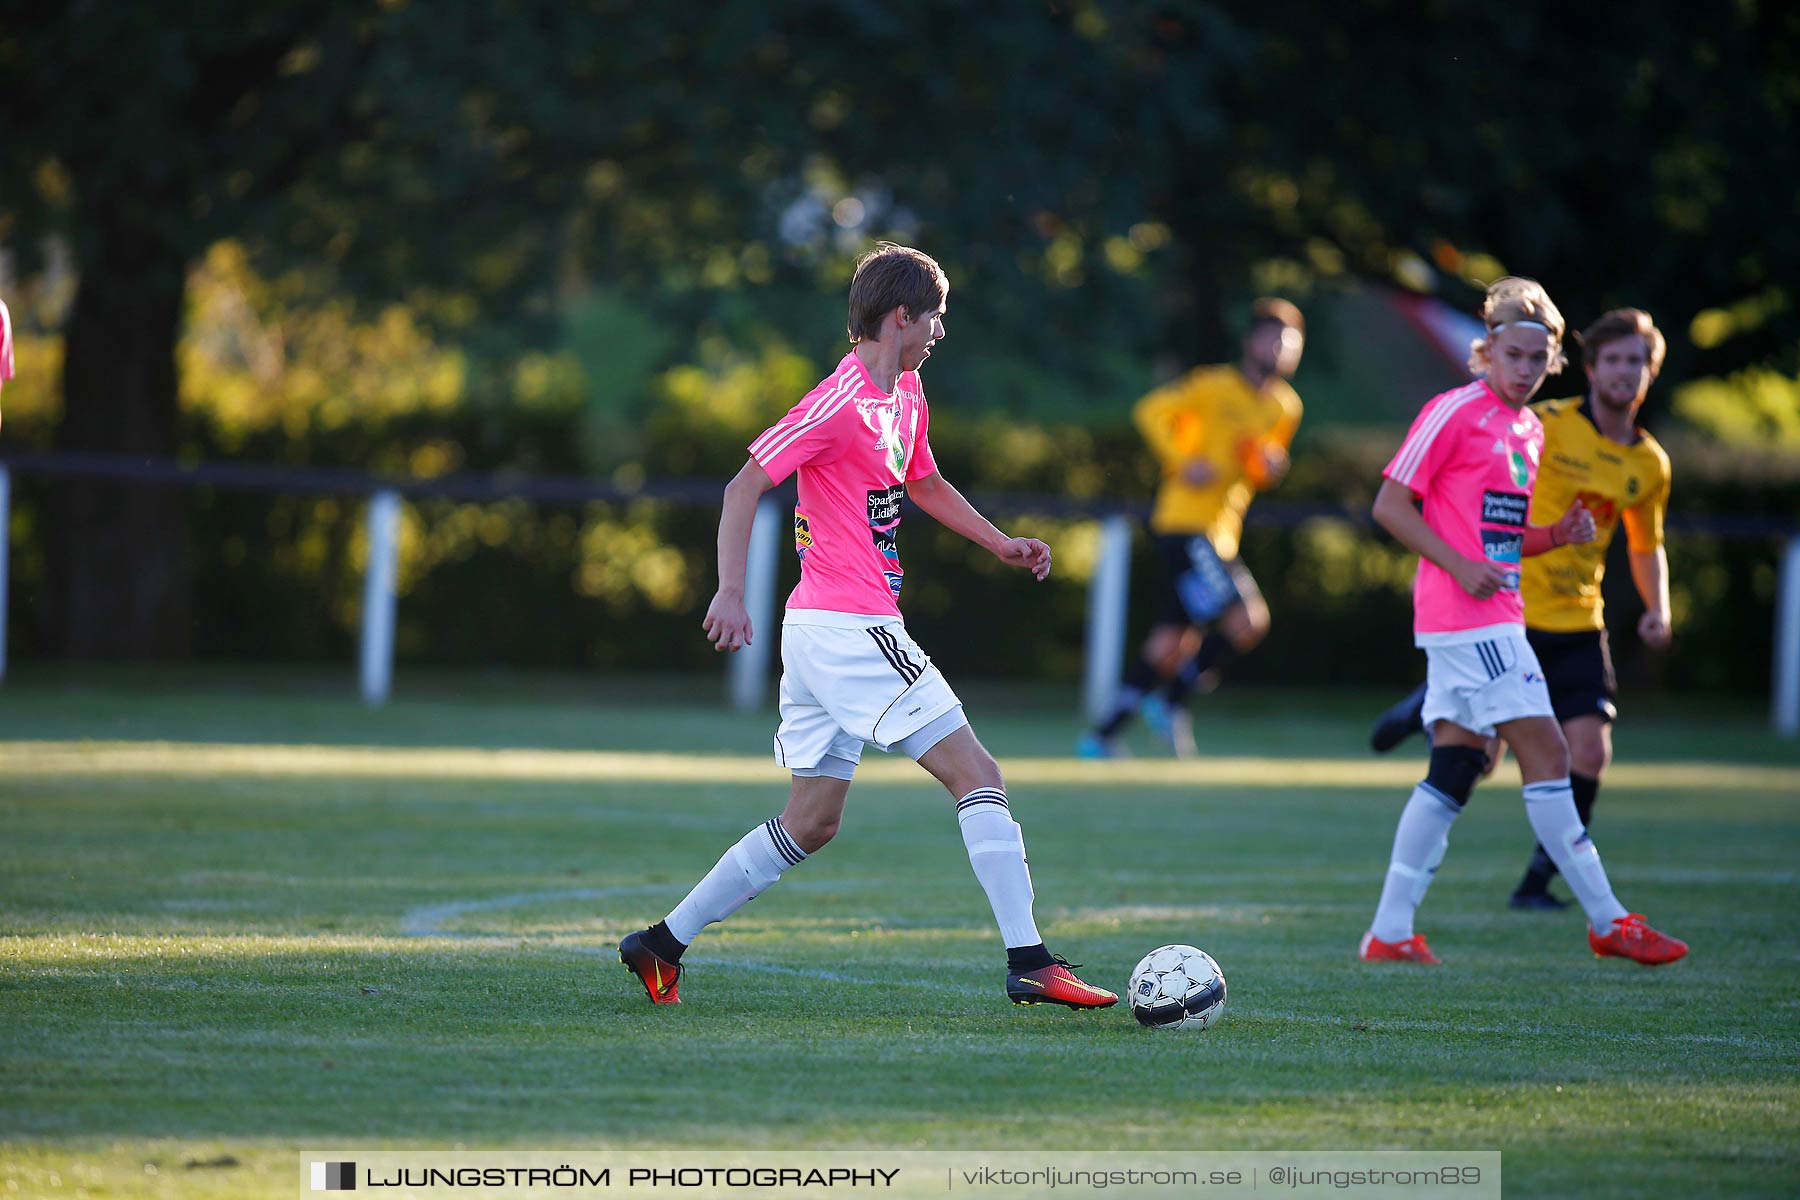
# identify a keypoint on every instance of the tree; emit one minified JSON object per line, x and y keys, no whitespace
{"x":406,"y":148}
{"x":1103,"y":176}
{"x":139,"y":143}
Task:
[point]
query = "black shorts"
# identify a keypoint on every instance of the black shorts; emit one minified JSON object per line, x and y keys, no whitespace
{"x":1579,"y":670}
{"x":1197,"y":584}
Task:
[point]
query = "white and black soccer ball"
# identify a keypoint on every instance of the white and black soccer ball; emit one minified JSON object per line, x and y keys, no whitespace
{"x":1177,"y":987}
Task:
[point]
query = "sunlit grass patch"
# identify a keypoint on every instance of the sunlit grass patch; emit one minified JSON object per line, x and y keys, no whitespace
{"x":212,"y":760}
{"x":231,"y":950}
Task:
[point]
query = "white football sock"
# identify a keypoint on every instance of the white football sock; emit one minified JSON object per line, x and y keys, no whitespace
{"x":996,"y":847}
{"x":1550,"y":806}
{"x":1419,"y":842}
{"x":1432,"y":863}
{"x":745,"y":871}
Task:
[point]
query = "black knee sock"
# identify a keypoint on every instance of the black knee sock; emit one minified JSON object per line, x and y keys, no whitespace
{"x":1179,"y":688}
{"x":1140,"y":677}
{"x":1028,"y":958}
{"x":1538,"y":873}
{"x":1215,"y":654}
{"x":1587,"y":790}
{"x":1541,"y":870}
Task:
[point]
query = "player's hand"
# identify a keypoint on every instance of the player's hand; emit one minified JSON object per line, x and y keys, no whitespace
{"x":1197,"y":472}
{"x":1275,"y":465}
{"x":1479,"y":577}
{"x":1653,"y":627}
{"x":1575,"y":526}
{"x":1496,"y":754}
{"x":1029,"y":553}
{"x":727,"y":623}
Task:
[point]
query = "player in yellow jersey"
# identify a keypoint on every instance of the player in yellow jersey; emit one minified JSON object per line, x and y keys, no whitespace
{"x":1594,"y":452}
{"x":1221,"y":434}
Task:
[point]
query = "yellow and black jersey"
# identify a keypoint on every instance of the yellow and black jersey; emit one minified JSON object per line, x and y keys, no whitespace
{"x":1214,"y":413}
{"x":1616,"y":483}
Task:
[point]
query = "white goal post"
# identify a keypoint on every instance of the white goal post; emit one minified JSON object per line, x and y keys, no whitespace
{"x":1785,"y":702}
{"x":748,"y":675}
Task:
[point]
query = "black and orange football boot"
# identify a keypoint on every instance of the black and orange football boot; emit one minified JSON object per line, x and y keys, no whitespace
{"x":1056,"y":984}
{"x":658,"y":977}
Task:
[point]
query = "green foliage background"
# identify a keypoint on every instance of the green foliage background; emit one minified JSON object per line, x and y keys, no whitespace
{"x":594,"y":238}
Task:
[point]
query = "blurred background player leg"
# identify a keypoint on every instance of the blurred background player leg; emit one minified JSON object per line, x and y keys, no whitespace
{"x":1399,"y":721}
{"x":1202,"y":590}
{"x":1237,"y":630}
{"x":1168,"y":645}
{"x":1159,"y":654}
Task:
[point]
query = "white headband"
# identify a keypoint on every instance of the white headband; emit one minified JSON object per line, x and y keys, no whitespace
{"x":1511,"y":324}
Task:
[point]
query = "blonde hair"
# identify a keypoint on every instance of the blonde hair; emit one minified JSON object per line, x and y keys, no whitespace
{"x":1511,"y":301}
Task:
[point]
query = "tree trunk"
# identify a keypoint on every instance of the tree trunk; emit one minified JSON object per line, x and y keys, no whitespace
{"x":120,"y":565}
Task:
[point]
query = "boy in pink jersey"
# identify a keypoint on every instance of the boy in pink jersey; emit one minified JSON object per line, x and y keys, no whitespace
{"x":1469,"y":462}
{"x":859,"y":443}
{"x":6,"y":345}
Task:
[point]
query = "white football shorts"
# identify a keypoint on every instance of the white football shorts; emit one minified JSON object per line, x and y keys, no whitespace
{"x":843,"y":685}
{"x":1479,"y":685}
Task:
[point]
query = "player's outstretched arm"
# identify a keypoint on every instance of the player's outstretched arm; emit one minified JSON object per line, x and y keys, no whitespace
{"x":1574,"y":527}
{"x":1650,"y":571}
{"x":938,"y":497}
{"x":727,"y":622}
{"x":1394,"y":512}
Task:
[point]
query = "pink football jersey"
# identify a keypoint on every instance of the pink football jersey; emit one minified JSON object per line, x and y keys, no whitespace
{"x":855,"y":449}
{"x":6,"y":344}
{"x":1472,"y":459}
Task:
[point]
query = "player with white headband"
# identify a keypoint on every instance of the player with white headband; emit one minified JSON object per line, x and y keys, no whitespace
{"x":1458,"y":494}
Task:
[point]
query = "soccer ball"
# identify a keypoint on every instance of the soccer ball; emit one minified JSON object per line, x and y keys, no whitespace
{"x":1177,"y":987}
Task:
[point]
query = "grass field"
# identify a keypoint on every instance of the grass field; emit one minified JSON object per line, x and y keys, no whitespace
{"x":238,"y":921}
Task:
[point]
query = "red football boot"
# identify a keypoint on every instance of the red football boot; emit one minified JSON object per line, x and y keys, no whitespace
{"x":658,"y":977}
{"x":1631,"y":938}
{"x":1412,"y":950}
{"x":1056,"y":984}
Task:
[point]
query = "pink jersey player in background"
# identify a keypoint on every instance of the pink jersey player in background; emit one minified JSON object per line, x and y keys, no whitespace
{"x":1457,"y":494}
{"x":860,"y":445}
{"x":6,"y":345}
